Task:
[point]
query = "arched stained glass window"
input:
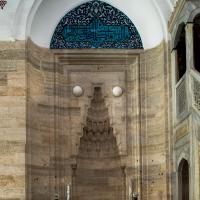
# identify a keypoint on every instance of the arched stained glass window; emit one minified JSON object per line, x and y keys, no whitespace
{"x":96,"y":24}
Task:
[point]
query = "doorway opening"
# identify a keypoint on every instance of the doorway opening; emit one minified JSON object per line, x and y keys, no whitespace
{"x":181,"y":53}
{"x":183,"y":180}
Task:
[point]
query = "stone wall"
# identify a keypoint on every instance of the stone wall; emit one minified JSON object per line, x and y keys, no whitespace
{"x":40,"y":127}
{"x":12,"y":120}
{"x":50,"y":120}
{"x":55,"y":117}
{"x":58,"y":117}
{"x":154,"y":123}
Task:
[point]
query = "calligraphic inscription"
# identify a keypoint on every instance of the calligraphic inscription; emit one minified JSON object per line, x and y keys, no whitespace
{"x":2,"y":3}
{"x":96,"y":33}
{"x":96,"y":24}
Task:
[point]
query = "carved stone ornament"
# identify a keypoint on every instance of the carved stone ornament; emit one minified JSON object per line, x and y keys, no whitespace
{"x":2,"y":3}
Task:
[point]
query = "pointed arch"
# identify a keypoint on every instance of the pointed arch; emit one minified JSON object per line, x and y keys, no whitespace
{"x":180,"y":46}
{"x":183,"y":180}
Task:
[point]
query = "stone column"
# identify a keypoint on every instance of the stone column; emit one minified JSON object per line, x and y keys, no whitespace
{"x":174,"y":82}
{"x":189,"y":60}
{"x":189,"y":46}
{"x":123,"y":168}
{"x":74,"y":168}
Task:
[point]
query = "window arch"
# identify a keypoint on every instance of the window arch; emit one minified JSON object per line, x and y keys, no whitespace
{"x":183,"y":180}
{"x":180,"y":46}
{"x":196,"y":36}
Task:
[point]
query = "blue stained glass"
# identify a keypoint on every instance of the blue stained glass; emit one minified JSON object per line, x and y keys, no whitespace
{"x":96,"y":24}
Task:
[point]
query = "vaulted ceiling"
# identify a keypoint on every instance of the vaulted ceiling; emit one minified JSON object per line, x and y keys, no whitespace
{"x":37,"y":19}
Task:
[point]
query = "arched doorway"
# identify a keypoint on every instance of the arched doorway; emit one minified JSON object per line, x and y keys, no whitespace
{"x":183,"y":180}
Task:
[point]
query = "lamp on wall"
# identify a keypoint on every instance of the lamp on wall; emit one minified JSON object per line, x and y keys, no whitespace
{"x":2,"y":3}
{"x":56,"y":196}
{"x":117,"y":91}
{"x":77,"y":91}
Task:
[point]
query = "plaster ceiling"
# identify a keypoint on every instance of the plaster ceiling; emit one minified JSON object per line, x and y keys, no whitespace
{"x":37,"y":19}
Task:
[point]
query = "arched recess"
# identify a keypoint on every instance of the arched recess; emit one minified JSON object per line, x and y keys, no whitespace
{"x":183,"y":180}
{"x":180,"y":46}
{"x":96,"y":24}
{"x":50,"y":12}
{"x":196,"y":37}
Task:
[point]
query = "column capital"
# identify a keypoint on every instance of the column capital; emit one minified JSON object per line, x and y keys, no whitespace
{"x":189,"y":45}
{"x":189,"y":25}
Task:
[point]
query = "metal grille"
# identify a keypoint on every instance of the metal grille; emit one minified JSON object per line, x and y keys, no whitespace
{"x":181,"y":98}
{"x":196,"y":93}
